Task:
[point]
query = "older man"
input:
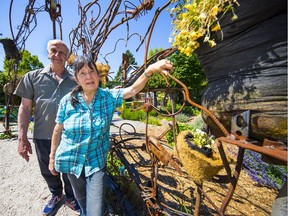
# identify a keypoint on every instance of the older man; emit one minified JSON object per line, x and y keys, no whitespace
{"x":40,"y":92}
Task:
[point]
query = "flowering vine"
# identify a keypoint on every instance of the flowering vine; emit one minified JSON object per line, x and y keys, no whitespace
{"x":195,"y":19}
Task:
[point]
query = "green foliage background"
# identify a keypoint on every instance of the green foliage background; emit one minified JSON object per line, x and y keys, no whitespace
{"x":189,"y":71}
{"x":15,"y":71}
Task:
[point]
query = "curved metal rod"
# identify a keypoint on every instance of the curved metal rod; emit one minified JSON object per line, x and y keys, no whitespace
{"x":130,"y":125}
{"x":154,"y":58}
{"x":121,"y":39}
{"x":122,"y":145}
{"x":214,"y":118}
{"x":170,"y":114}
{"x":151,"y":27}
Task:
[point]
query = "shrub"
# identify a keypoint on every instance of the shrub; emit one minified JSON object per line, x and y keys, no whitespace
{"x":191,"y":111}
{"x":153,"y":113}
{"x":169,"y":106}
{"x":197,"y":123}
{"x":153,"y":121}
{"x":182,"y":118}
{"x":181,"y":127}
{"x":135,"y":115}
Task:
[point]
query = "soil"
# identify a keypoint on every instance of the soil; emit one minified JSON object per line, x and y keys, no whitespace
{"x":24,"y":192}
{"x":179,"y":191}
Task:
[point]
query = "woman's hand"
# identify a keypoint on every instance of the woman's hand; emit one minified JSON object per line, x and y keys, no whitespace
{"x":51,"y":167}
{"x":164,"y":66}
{"x":56,"y":137}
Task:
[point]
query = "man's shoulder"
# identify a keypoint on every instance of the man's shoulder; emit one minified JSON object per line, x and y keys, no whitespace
{"x":69,"y":75}
{"x":67,"y":96}
{"x":35,"y":72}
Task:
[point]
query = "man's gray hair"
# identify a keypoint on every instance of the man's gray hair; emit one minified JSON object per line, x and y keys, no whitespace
{"x":56,"y":41}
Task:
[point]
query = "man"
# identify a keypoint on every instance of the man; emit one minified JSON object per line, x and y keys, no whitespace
{"x":41,"y":91}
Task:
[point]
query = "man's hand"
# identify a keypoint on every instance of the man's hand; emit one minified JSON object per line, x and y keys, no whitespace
{"x":24,"y":148}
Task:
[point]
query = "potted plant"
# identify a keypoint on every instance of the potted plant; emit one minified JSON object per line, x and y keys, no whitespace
{"x":200,"y":141}
{"x":200,"y":165}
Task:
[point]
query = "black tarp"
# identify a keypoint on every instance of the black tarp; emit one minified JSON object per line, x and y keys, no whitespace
{"x":247,"y":70}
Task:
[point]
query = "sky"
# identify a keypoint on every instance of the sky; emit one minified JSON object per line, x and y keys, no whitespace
{"x":36,"y":43}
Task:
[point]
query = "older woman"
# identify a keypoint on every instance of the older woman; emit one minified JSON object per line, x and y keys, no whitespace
{"x":80,"y":141}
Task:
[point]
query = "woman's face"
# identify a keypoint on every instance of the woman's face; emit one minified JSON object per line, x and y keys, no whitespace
{"x":88,"y":78}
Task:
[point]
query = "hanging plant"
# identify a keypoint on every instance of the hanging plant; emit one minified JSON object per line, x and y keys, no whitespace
{"x":200,"y":141}
{"x":195,"y":19}
{"x":199,"y":167}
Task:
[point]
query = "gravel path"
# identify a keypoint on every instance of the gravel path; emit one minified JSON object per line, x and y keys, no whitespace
{"x":24,"y":192}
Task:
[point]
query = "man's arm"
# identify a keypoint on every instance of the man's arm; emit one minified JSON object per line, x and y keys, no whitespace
{"x":24,"y":113}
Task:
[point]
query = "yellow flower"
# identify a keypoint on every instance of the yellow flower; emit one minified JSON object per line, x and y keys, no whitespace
{"x":187,"y":50}
{"x":184,"y":15}
{"x":212,"y":43}
{"x":71,"y":59}
{"x":199,"y":34}
{"x":183,"y":22}
{"x":197,"y":44}
{"x":180,"y":48}
{"x":214,"y":11}
{"x":188,"y":7}
{"x":194,"y":19}
{"x":234,"y":17}
{"x":216,"y":28}
{"x":202,"y":16}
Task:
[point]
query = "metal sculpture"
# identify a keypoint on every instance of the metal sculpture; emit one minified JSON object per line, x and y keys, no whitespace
{"x":88,"y":37}
{"x":160,"y":157}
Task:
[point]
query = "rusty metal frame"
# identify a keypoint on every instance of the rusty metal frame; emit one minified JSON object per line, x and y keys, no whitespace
{"x":159,"y":155}
{"x":90,"y":36}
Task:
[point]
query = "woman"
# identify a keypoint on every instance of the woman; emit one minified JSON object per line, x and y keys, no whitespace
{"x":81,"y":134}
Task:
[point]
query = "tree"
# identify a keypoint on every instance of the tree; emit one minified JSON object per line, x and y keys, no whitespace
{"x":3,"y":81}
{"x":155,"y":82}
{"x":117,"y":78}
{"x":131,"y":61}
{"x":131,"y":58}
{"x":29,"y":62}
{"x":13,"y":71}
{"x":189,"y":71}
{"x":153,"y":51}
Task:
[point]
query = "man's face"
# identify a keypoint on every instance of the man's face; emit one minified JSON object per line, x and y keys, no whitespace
{"x":58,"y":54}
